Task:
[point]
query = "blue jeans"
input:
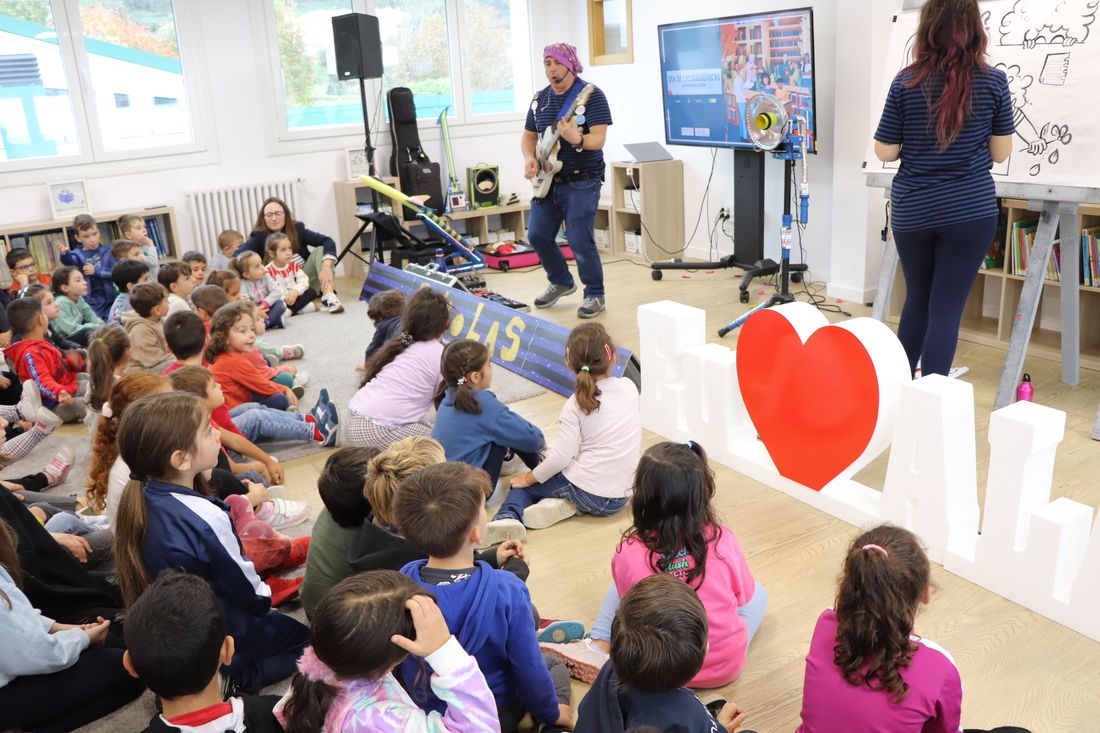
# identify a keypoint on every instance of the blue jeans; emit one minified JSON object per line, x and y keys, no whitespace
{"x":752,"y":612}
{"x":574,"y":203}
{"x":557,"y":487}
{"x":258,"y":422}
{"x":277,"y":401}
{"x":274,"y":317}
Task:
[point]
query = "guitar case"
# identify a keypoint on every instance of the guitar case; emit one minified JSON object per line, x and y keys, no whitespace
{"x":419,"y":176}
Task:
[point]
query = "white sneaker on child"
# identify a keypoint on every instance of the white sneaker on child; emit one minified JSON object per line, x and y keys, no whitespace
{"x":47,"y":420}
{"x":30,"y":402}
{"x":307,"y":308}
{"x":332,"y":303}
{"x":283,"y":513}
{"x":301,"y":379}
{"x":547,"y":513}
{"x":501,"y":530}
{"x":60,"y":465}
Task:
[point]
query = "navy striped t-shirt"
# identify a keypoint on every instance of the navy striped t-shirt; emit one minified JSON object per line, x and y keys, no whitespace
{"x":933,"y":188}
{"x":545,"y":111}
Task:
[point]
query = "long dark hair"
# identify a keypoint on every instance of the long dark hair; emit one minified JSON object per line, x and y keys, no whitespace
{"x":350,"y":632}
{"x":950,"y":44}
{"x":460,"y":359}
{"x":9,"y":557}
{"x":885,"y":576}
{"x":290,"y":226}
{"x":671,"y":507}
{"x":426,"y":316}
{"x":105,"y":350}
{"x":590,"y":353}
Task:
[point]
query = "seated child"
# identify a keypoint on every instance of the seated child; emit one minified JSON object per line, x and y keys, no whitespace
{"x":232,"y":335}
{"x":197,"y":262}
{"x":53,"y":676}
{"x":176,"y":279}
{"x":61,"y":388}
{"x":125,"y":275}
{"x":24,"y":271}
{"x":658,"y":642}
{"x":132,"y":227}
{"x":260,"y":288}
{"x":473,"y":426}
{"x":590,"y":465}
{"x":207,"y":299}
{"x":285,"y":268}
{"x":441,"y":509}
{"x":77,"y":320}
{"x":73,"y":352}
{"x":176,"y":642}
{"x":93,"y":260}
{"x":384,"y":310}
{"x":165,"y":520}
{"x":341,"y":488}
{"x":228,"y":242}
{"x":362,"y":630}
{"x":124,"y":249}
{"x":148,"y":349}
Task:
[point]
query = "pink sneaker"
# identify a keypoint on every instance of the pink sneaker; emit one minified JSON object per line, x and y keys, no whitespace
{"x":59,"y":466}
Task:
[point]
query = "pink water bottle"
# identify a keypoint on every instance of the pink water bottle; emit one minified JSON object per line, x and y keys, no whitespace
{"x":1025,"y":391}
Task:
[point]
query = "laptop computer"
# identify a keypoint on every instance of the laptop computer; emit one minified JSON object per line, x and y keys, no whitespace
{"x":646,"y":152}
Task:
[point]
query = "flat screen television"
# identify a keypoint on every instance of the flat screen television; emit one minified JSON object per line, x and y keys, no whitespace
{"x":710,"y":69}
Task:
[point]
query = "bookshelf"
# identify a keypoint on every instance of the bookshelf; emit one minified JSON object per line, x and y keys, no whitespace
{"x":42,"y":237}
{"x":658,"y":217}
{"x":991,"y":308}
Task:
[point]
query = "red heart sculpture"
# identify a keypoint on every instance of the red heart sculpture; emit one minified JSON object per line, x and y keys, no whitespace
{"x":814,"y":405}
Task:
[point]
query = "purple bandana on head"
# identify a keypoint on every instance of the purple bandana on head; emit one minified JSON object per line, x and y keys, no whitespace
{"x":565,"y":55}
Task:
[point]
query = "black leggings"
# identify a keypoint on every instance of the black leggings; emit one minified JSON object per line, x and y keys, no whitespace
{"x":940,"y":266}
{"x":495,"y":461}
{"x":93,"y":687}
{"x":303,"y":300}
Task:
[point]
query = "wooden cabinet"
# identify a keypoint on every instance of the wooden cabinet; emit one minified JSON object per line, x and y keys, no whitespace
{"x":647,"y":200}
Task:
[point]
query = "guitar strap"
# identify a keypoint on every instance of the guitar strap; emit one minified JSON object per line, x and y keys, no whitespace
{"x":569,"y":100}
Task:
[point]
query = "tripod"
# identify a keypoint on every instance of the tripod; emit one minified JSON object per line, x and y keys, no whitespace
{"x":368,"y":148}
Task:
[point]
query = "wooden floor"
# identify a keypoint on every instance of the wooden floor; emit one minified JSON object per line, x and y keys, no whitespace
{"x":1017,"y":667}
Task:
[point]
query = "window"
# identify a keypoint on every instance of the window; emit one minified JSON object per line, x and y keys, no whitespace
{"x":471,"y":56}
{"x":128,"y":54}
{"x":609,"y":31}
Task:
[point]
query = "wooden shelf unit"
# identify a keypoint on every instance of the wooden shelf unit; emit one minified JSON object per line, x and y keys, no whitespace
{"x":997,"y":286}
{"x":41,"y":237}
{"x":660,"y":217}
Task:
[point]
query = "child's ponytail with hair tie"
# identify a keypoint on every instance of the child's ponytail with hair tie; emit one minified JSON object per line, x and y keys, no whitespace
{"x":310,"y":665}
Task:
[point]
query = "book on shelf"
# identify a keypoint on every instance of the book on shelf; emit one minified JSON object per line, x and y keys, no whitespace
{"x":1090,"y":257}
{"x":1023,"y":239}
{"x":153,"y":229}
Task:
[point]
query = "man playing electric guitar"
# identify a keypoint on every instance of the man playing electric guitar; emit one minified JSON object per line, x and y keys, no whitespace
{"x":575,"y":190}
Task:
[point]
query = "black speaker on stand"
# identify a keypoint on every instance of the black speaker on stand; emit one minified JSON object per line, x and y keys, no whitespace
{"x":358,"y":47}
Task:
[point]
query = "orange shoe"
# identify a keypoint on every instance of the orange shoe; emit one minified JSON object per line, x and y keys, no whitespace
{"x":283,"y":589}
{"x":299,"y":549}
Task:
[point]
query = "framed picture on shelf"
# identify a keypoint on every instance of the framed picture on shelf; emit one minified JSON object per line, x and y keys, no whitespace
{"x":357,"y":163}
{"x":67,"y":199}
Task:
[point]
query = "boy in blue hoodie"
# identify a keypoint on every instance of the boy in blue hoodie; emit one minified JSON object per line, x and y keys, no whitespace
{"x":94,"y":261}
{"x":441,"y":510}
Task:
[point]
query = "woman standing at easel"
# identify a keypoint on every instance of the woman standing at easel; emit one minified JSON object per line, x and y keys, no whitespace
{"x":948,"y":117}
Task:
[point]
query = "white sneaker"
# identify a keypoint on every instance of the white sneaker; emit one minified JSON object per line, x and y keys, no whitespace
{"x":332,"y":303}
{"x":547,"y":513}
{"x":31,"y":401}
{"x":309,"y":307}
{"x":301,"y":379}
{"x":60,"y":465}
{"x":285,"y":513}
{"x":47,"y":420}
{"x":501,"y":530}
{"x":513,"y":465}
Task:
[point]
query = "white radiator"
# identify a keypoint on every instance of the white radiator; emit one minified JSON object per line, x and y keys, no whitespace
{"x":213,"y":210}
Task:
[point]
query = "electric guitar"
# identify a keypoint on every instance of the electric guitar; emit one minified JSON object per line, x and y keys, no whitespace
{"x":456,"y":197}
{"x":546,"y":150}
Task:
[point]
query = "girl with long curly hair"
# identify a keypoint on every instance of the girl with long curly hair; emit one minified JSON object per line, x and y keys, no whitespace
{"x":948,"y":118}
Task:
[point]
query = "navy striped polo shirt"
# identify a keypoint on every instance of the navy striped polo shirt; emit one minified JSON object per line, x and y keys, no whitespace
{"x":933,"y":188}
{"x":545,"y":110}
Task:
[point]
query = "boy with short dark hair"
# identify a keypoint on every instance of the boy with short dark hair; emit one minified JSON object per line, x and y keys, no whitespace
{"x":94,"y":261}
{"x":35,"y":358}
{"x":197,"y":261}
{"x":24,"y":271}
{"x":185,"y":334}
{"x":176,"y":642}
{"x":384,"y":309}
{"x":125,"y":275}
{"x":74,"y":354}
{"x":132,"y":227}
{"x":658,"y":642}
{"x":207,"y":299}
{"x":148,"y":348}
{"x":124,"y":249}
{"x":228,"y":242}
{"x":441,"y":510}
{"x":77,"y":320}
{"x":176,"y":278}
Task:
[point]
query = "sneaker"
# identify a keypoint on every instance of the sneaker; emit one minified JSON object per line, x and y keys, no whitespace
{"x":552,"y":293}
{"x":547,"y":513}
{"x":60,"y":465}
{"x":513,"y":465}
{"x":285,"y":513}
{"x":298,"y":390}
{"x":47,"y":420}
{"x":283,"y":589}
{"x":500,"y":530}
{"x":283,"y":319}
{"x":293,"y":351}
{"x":583,"y":658}
{"x":324,"y":432}
{"x":560,"y":632}
{"x":320,"y":407}
{"x":299,"y":549}
{"x":307,"y":308}
{"x":332,"y":303}
{"x":590,"y":308}
{"x":301,"y":379}
{"x":30,"y":402}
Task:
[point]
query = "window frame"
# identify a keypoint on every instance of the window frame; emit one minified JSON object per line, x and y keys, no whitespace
{"x":93,"y":159}
{"x":597,"y":43}
{"x":460,"y":118}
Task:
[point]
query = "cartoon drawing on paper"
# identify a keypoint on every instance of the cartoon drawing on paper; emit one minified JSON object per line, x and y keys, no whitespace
{"x":1044,"y":142}
{"x":1031,"y":22}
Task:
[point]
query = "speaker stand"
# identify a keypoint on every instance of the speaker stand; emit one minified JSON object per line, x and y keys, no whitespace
{"x":368,"y":148}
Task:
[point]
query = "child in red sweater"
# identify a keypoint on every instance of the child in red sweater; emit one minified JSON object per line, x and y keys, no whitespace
{"x":232,"y":335}
{"x":35,"y":358}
